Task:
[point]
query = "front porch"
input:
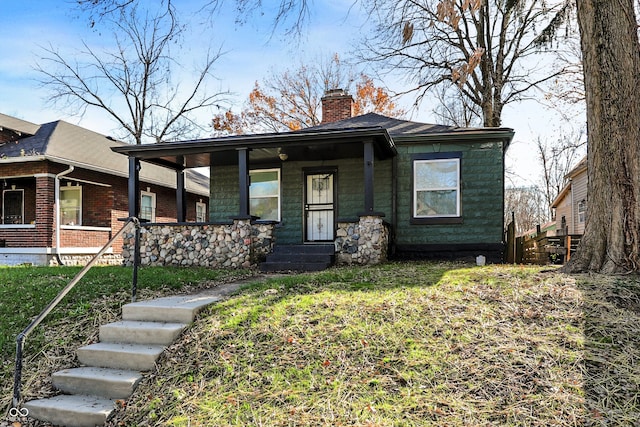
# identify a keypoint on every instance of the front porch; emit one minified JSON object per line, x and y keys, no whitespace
{"x":314,"y":188}
{"x":247,"y":243}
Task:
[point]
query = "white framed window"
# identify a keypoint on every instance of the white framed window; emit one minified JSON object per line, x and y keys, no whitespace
{"x":264,"y":194}
{"x":71,"y":205}
{"x":436,"y":188}
{"x":201,"y":212}
{"x":148,"y":206}
{"x":13,"y":206}
{"x":582,"y":211}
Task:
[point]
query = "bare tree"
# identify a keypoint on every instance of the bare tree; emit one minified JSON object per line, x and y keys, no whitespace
{"x":292,"y":99}
{"x":292,"y":14}
{"x":527,"y":204}
{"x":455,"y":109}
{"x":135,"y":83}
{"x":488,"y":48}
{"x":558,"y":158}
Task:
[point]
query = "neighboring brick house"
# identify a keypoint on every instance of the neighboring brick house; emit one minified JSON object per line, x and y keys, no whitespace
{"x":365,"y":188}
{"x":64,"y":189}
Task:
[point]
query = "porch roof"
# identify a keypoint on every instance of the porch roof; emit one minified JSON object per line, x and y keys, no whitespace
{"x":265,"y":148}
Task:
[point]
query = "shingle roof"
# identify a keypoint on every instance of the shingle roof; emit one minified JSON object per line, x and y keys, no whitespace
{"x":66,"y":143}
{"x":18,"y":125}
{"x":398,"y":128}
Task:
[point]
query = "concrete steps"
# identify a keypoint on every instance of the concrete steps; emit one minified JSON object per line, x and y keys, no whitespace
{"x":113,"y":367}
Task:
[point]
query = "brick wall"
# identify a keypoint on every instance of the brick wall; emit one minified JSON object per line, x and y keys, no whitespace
{"x":102,"y":206}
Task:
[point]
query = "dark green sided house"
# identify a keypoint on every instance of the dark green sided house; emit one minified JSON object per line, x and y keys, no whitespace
{"x":358,"y":189}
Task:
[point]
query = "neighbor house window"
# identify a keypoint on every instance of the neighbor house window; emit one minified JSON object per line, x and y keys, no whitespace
{"x":201,"y":212}
{"x":264,"y":194}
{"x":436,"y":186}
{"x":582,"y":211}
{"x":13,"y":206}
{"x":148,"y":206}
{"x":71,"y":205}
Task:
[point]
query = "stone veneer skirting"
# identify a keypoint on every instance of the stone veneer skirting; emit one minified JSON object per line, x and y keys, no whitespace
{"x":244,"y":244}
{"x":364,"y":242}
{"x":241,"y":244}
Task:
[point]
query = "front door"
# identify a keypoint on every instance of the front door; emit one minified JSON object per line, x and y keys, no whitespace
{"x":319,"y":207}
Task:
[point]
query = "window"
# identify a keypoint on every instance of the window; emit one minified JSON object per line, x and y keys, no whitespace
{"x":201,"y":212}
{"x":13,"y":206}
{"x":582,"y":211}
{"x":264,"y":194}
{"x":148,"y":206}
{"x":71,"y":205}
{"x":436,"y":186}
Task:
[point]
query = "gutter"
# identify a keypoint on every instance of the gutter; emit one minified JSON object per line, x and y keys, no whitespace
{"x":57,"y":205}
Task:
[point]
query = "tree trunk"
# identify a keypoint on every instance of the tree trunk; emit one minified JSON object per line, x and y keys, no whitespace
{"x":611,"y":59}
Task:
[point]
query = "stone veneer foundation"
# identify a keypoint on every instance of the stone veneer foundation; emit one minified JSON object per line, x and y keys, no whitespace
{"x":244,"y":244}
{"x":364,"y":242}
{"x":241,"y":244}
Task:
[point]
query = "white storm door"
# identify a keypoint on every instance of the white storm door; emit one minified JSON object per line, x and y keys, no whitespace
{"x":319,"y":208}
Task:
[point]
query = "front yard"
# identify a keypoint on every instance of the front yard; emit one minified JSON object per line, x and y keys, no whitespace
{"x":402,"y":344}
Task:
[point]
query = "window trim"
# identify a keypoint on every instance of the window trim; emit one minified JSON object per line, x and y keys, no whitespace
{"x":154,"y":205}
{"x":436,"y":219}
{"x":279,"y":195}
{"x":204,"y":206}
{"x":71,"y":188}
{"x":16,"y":190}
{"x":582,"y":211}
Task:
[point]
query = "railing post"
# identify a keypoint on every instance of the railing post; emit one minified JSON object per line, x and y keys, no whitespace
{"x":136,"y":262}
{"x":17,"y":378}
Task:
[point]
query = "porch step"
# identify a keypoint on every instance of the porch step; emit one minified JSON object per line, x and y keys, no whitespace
{"x":113,"y":366}
{"x":299,"y":258}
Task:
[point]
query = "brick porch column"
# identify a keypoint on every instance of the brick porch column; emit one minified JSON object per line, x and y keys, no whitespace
{"x":45,"y":210}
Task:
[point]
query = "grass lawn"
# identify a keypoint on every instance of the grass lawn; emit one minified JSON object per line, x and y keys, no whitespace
{"x":402,"y":344}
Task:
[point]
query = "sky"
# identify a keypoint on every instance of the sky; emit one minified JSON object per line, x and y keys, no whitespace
{"x":251,"y":52}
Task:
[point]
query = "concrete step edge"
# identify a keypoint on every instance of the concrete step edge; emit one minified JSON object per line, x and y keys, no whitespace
{"x":141,"y":332}
{"x":180,"y":309}
{"x":120,"y":355}
{"x":72,"y":410}
{"x":104,"y":382}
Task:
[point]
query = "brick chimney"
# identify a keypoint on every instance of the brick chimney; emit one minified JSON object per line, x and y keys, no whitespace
{"x":336,"y":105}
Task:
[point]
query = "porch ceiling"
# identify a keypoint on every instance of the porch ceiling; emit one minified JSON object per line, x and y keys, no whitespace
{"x":264,"y":148}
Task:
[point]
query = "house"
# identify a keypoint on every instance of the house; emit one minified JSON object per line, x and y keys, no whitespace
{"x":64,"y":189}
{"x":571,"y":209}
{"x":357,"y":189}
{"x":571,"y":203}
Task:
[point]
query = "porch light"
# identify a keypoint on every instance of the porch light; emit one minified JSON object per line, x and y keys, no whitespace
{"x":282,"y":155}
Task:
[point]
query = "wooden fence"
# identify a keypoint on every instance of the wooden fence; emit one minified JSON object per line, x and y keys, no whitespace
{"x":540,"y":249}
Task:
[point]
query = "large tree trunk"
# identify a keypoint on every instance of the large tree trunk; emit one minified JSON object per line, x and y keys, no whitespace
{"x":611,"y":58}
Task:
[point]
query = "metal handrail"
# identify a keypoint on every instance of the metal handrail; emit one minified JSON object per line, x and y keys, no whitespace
{"x":23,"y":335}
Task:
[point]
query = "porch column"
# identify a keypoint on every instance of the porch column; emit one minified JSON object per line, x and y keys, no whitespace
{"x":368,"y":177}
{"x":243,"y":184}
{"x":181,"y":196}
{"x":134,"y":187}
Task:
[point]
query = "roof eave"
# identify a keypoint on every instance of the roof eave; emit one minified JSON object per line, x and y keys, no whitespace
{"x":502,"y":134}
{"x":212,"y":145}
